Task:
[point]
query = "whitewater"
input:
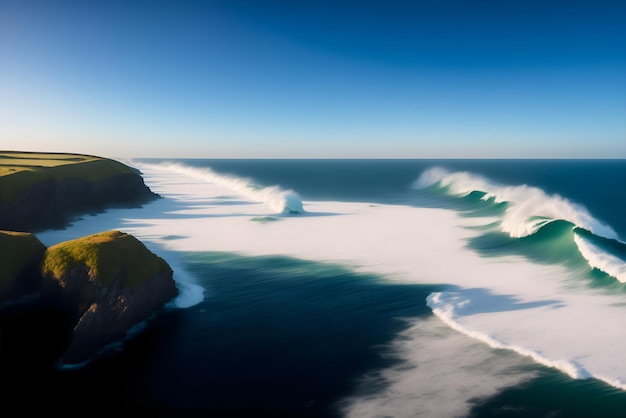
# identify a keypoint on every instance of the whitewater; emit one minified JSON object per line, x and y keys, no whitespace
{"x":538,"y":313}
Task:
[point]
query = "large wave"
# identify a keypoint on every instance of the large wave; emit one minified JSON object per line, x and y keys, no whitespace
{"x":280,"y":200}
{"x":528,"y":210}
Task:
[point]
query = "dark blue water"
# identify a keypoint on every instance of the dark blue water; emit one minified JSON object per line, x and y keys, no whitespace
{"x":275,"y":337}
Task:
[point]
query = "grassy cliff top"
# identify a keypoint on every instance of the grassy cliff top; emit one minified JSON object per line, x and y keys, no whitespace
{"x":20,"y":170}
{"x":16,"y":250}
{"x":107,"y":255}
{"x":14,"y":162}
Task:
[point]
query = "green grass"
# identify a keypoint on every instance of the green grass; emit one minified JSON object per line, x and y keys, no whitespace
{"x":16,"y":250}
{"x":107,"y":255}
{"x":15,"y":162}
{"x":20,"y":171}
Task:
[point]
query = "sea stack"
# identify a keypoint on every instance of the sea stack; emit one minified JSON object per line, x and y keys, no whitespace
{"x":108,"y":283}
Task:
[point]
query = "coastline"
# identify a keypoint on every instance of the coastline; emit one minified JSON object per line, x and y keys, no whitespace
{"x":99,"y":285}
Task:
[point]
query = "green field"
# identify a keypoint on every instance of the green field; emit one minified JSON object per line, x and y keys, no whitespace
{"x":14,"y":162}
{"x":20,"y":170}
{"x":107,"y":255}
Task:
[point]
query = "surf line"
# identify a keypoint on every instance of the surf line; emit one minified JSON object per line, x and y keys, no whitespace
{"x":280,"y":200}
{"x":444,"y":310}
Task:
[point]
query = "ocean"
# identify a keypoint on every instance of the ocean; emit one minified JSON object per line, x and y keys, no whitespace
{"x":361,"y":288}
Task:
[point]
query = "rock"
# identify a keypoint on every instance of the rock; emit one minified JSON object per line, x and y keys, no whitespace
{"x":105,"y":283}
{"x":108,"y":282}
{"x":20,"y":256}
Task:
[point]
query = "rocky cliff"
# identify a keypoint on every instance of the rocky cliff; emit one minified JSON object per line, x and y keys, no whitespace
{"x":107,"y":282}
{"x":20,"y":257}
{"x":42,"y":191}
{"x":87,"y":292}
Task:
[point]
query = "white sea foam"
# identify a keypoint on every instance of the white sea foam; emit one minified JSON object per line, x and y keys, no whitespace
{"x":528,"y":208}
{"x":600,"y":259}
{"x":442,"y":374}
{"x":445,"y":305}
{"x":543,"y":312}
{"x":280,"y":200}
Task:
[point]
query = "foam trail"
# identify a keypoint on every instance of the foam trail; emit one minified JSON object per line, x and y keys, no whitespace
{"x":444,"y":305}
{"x":281,"y":201}
{"x":189,"y":292}
{"x":441,"y":373}
{"x":600,"y":259}
{"x":529,"y":208}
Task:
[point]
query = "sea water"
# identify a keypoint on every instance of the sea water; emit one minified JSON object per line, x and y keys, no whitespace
{"x":371,"y":288}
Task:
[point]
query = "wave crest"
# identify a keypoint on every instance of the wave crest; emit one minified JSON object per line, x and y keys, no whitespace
{"x":528,"y":208}
{"x":280,"y":200}
{"x":600,"y":259}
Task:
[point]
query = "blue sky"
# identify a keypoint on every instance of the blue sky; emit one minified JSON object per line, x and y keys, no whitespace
{"x":314,"y":79}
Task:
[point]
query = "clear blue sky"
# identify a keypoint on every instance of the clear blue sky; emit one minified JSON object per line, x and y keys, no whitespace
{"x":308,"y":79}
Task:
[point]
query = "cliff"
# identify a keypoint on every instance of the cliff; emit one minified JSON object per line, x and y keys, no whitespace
{"x":47,"y":190}
{"x":107,"y":282}
{"x":20,"y":256}
{"x":86,"y":292}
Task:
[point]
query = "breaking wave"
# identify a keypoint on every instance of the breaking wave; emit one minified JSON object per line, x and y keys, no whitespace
{"x":608,"y":261}
{"x":528,"y":210}
{"x":280,"y":200}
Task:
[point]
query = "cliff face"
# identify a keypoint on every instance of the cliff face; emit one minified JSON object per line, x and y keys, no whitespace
{"x":36,"y":197}
{"x":108,"y":283}
{"x":20,"y":256}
